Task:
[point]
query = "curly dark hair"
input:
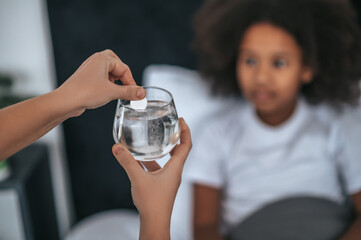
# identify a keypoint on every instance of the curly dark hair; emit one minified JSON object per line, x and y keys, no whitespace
{"x":325,"y":30}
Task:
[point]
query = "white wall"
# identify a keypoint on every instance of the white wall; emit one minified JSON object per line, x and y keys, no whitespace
{"x":26,"y":54}
{"x":11,"y":227}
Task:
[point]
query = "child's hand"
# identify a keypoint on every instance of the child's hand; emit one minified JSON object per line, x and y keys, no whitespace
{"x":92,"y":85}
{"x":154,"y":192}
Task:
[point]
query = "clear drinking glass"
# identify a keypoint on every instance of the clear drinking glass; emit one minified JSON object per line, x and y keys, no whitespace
{"x":151,"y":133}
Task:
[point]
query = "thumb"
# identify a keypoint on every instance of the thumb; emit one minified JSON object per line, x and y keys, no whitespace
{"x":127,"y":92}
{"x":127,"y":161}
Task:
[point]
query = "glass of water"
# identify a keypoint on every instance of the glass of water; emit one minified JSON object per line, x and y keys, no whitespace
{"x":150,"y":133}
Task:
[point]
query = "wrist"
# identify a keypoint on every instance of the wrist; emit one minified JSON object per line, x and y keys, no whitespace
{"x":71,"y":107}
{"x":154,"y":226}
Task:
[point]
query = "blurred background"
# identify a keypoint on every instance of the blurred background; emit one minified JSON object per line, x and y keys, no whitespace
{"x":41,"y":44}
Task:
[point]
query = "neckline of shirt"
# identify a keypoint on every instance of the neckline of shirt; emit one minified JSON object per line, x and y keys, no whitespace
{"x":265,"y":134}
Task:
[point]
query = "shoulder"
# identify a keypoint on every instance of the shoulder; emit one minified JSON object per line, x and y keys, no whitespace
{"x":342,"y":126}
{"x":346,"y":116}
{"x":351,"y":116}
{"x":348,"y":138}
{"x":324,"y":114}
{"x":349,"y":125}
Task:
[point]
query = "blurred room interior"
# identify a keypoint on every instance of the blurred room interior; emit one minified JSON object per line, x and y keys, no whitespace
{"x":41,"y":44}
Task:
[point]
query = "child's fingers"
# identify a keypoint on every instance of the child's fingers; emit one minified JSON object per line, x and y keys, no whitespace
{"x":181,"y":151}
{"x":173,"y":150}
{"x":127,"y":161}
{"x":151,"y":166}
{"x":185,"y":138}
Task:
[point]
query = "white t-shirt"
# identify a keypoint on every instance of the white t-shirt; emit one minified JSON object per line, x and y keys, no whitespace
{"x":255,"y":164}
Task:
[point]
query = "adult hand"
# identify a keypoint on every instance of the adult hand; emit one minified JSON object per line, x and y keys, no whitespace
{"x":154,"y":192}
{"x":92,"y":85}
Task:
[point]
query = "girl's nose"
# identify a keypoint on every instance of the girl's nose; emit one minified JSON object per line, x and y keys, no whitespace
{"x":262,"y":75}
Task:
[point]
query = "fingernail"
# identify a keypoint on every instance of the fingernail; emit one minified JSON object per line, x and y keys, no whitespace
{"x":140,"y":92}
{"x":117,"y":150}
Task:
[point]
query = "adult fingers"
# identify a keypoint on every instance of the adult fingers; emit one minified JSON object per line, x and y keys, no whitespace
{"x":127,"y":161}
{"x":118,"y":69}
{"x":127,"y":92}
{"x":112,"y":53}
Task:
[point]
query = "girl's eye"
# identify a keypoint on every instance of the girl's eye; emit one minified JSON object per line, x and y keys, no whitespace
{"x":280,"y":63}
{"x":250,"y":61}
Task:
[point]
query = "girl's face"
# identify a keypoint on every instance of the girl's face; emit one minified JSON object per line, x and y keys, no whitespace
{"x":270,"y":71}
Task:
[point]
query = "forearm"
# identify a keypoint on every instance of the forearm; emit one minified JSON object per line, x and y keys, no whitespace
{"x":25,"y":122}
{"x":207,"y":233}
{"x":354,"y":232}
{"x":155,"y":227}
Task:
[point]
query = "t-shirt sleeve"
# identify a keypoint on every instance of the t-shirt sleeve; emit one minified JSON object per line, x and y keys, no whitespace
{"x":204,"y":165}
{"x":349,"y":157}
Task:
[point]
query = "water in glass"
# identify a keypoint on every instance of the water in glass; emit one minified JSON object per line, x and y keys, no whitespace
{"x":150,"y":133}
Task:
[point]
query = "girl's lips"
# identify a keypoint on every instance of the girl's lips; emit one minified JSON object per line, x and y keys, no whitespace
{"x":262,"y":95}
